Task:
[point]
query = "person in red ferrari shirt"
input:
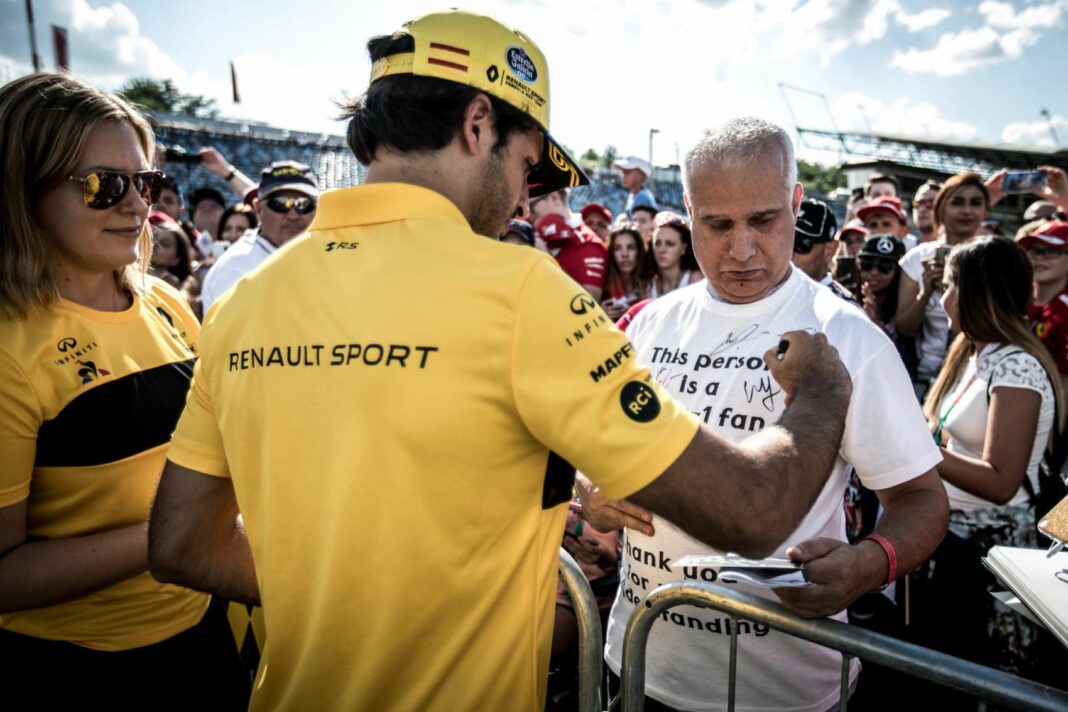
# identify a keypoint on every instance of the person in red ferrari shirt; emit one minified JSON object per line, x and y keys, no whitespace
{"x":577,"y":249}
{"x":1047,"y":248}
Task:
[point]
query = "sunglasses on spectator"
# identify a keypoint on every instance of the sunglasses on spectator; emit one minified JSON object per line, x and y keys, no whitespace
{"x":803,"y":245}
{"x":929,"y":203}
{"x":884,"y":266}
{"x":283,"y":204}
{"x":1045,"y":253}
{"x":106,"y":189}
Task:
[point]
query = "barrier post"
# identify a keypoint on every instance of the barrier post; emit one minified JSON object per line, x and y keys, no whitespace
{"x":589,"y":628}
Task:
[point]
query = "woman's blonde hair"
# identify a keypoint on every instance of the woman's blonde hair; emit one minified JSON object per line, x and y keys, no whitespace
{"x":993,"y":278}
{"x":45,"y":122}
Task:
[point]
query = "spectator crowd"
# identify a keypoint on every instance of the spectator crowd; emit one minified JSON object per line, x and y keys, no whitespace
{"x":930,"y":406}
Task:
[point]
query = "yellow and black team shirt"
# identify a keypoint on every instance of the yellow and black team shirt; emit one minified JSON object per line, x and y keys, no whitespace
{"x":88,"y":402}
{"x":387,"y":393}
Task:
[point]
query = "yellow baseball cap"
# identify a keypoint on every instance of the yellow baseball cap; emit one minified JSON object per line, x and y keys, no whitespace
{"x":480,"y":52}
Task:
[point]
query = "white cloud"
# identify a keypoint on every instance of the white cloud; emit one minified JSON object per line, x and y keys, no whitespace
{"x":854,"y":111}
{"x":1035,"y":133}
{"x":1005,"y":35}
{"x":922,"y":20}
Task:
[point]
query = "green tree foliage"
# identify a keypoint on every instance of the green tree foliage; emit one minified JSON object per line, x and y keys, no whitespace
{"x":819,"y":178}
{"x":163,"y":95}
{"x":609,"y":155}
{"x":590,"y":156}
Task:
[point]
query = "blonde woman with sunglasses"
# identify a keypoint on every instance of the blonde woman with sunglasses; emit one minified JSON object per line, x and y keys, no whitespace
{"x":97,"y":358}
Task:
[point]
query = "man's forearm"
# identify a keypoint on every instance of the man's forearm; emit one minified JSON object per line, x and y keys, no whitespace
{"x":910,"y":316}
{"x":749,"y":497}
{"x":196,"y":537}
{"x":914,"y":522}
{"x":800,"y":452}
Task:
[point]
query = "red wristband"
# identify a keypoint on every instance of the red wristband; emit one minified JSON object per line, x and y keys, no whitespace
{"x":891,"y":557}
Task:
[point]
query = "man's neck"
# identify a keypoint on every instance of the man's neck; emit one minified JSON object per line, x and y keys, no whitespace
{"x":431,"y":173}
{"x":1046,"y":292}
{"x":927,"y":235}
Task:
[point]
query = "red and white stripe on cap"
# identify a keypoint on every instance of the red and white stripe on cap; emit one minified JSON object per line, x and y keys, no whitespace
{"x":1055,"y":235}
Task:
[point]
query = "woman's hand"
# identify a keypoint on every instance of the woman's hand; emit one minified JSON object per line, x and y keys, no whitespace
{"x":870,"y":302}
{"x":931,"y":280}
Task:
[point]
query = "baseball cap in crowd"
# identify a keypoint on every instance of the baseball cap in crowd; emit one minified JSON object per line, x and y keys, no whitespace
{"x":625,"y":164}
{"x":1039,"y":210}
{"x":478,"y":51}
{"x":201,"y":194}
{"x":815,"y":222}
{"x":288,"y":175}
{"x":885,"y":203}
{"x":1054,"y":234}
{"x":522,"y":228}
{"x":885,"y":247}
{"x":553,"y":228}
{"x":158,"y":218}
{"x":599,"y":210}
{"x":854,"y":225}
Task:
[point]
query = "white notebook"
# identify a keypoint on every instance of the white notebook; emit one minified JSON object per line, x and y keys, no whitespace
{"x":1041,"y":583}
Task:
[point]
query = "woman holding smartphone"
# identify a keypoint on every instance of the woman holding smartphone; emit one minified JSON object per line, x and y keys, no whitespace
{"x":959,"y":210}
{"x":97,"y":358}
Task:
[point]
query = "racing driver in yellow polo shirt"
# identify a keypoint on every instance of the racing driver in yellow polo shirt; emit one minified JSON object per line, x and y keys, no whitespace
{"x":380,"y":437}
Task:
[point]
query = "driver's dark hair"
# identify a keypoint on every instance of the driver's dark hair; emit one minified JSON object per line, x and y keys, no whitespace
{"x":413,"y":114}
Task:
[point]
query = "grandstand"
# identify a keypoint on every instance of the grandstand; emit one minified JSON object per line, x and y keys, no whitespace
{"x":251,"y":146}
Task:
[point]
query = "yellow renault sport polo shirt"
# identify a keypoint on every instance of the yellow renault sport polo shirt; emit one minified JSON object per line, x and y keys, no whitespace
{"x":387,"y":394}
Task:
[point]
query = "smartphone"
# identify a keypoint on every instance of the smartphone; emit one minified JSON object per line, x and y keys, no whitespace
{"x":941,"y":253}
{"x":845,"y":270}
{"x":1023,"y":181}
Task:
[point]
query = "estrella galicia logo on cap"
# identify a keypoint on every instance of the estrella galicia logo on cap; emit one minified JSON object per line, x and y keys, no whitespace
{"x":521,"y":64}
{"x":639,"y":402}
{"x":582,"y":304}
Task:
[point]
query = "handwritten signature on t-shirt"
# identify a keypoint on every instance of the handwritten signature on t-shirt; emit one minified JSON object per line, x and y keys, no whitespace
{"x":762,"y":385}
{"x":747,"y":334}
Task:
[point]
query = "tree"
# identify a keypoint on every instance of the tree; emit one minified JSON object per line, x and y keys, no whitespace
{"x":163,"y":95}
{"x":609,"y":155}
{"x":590,"y":156}
{"x":819,"y":178}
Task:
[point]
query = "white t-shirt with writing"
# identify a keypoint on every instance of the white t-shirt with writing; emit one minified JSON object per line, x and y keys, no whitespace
{"x":708,"y":353}
{"x":933,"y":337}
{"x":968,"y":404}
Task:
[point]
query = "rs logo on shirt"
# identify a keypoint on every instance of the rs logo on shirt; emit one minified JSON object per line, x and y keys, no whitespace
{"x":331,"y":246}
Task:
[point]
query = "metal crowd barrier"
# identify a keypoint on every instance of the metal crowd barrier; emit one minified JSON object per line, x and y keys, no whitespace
{"x":851,"y":641}
{"x":589,"y":627}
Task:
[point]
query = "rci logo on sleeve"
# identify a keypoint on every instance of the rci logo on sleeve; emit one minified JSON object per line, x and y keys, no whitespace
{"x":582,"y":303}
{"x":639,"y":402}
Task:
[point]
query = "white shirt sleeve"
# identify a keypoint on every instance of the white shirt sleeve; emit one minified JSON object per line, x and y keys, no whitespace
{"x":911,"y":263}
{"x":886,"y":436}
{"x":1021,"y":370}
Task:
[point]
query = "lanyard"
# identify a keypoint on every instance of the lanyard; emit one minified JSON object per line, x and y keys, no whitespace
{"x":960,"y":394}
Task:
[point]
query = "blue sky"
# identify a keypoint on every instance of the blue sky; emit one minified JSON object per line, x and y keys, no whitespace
{"x":965,"y":71}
